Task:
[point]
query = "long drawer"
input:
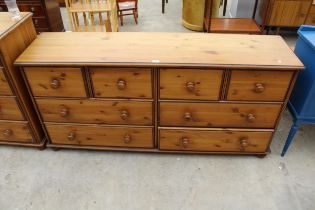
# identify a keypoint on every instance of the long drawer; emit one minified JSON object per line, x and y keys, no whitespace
{"x":96,"y":111}
{"x":226,"y":115}
{"x":15,"y":132}
{"x":100,"y":136}
{"x":9,"y":109}
{"x":214,"y":140}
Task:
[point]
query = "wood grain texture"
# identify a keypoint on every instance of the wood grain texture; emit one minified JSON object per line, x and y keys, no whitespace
{"x":9,"y":109}
{"x":13,"y":41}
{"x":228,"y":141}
{"x":219,"y":115}
{"x":5,"y":89}
{"x":96,"y":111}
{"x":100,"y":136}
{"x":244,"y":85}
{"x":234,"y":25}
{"x":122,"y":82}
{"x":290,"y":13}
{"x":15,"y":132}
{"x":68,"y":82}
{"x":172,"y":49}
{"x":190,"y":84}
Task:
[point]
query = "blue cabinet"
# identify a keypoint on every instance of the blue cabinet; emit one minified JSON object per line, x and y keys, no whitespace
{"x":302,"y":100}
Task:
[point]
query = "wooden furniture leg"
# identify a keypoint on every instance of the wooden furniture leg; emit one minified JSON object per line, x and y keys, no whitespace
{"x":163,"y":6}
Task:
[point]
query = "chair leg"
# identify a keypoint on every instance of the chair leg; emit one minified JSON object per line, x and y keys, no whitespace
{"x":135,"y":16}
{"x":166,"y":1}
{"x":291,"y":135}
{"x":163,"y":6}
{"x":121,"y":19}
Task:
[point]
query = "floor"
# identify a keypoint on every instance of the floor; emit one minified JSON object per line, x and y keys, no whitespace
{"x":71,"y":179}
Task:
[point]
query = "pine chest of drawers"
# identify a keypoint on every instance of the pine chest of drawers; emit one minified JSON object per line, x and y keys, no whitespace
{"x":160,"y":92}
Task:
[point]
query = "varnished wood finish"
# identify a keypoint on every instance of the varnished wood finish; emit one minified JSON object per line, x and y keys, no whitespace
{"x":50,"y":81}
{"x":259,"y":85}
{"x":190,"y":84}
{"x":17,"y":111}
{"x":234,"y":25}
{"x":224,"y":141}
{"x":122,"y":82}
{"x":310,"y":20}
{"x":141,"y":49}
{"x":5,"y":89}
{"x":288,"y":13}
{"x":100,"y":136}
{"x":9,"y":109}
{"x":15,"y":132}
{"x":96,"y":111}
{"x":219,"y":115}
{"x":175,"y":88}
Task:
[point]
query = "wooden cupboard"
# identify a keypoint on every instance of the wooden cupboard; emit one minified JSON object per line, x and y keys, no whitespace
{"x":223,"y":95}
{"x":19,"y":122}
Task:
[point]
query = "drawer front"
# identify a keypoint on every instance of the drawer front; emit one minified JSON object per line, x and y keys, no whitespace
{"x":100,"y":136}
{"x":15,"y":132}
{"x":122,"y":82}
{"x":96,"y":111}
{"x":36,"y":9}
{"x":219,"y":115}
{"x":9,"y":109}
{"x":40,"y":22}
{"x":190,"y":84}
{"x":214,"y":141}
{"x":62,"y":82}
{"x":259,"y":85}
{"x":5,"y":89}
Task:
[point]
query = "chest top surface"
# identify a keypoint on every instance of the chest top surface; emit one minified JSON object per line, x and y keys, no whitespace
{"x":161,"y":49}
{"x":7,"y":23}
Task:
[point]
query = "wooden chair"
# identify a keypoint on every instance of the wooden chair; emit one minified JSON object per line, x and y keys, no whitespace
{"x":129,"y":6}
{"x":235,"y":25}
{"x":82,"y":15}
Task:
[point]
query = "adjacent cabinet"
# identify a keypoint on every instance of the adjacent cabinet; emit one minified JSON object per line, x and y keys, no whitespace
{"x":224,"y":94}
{"x":19,"y":122}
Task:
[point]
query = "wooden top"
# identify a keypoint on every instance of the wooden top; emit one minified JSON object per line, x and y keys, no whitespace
{"x":7,"y":23}
{"x":160,"y":49}
{"x":234,"y":25}
{"x":93,"y":7}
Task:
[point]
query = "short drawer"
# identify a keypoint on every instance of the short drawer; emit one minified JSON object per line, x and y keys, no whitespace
{"x":40,"y":22}
{"x":215,"y":140}
{"x":15,"y":132}
{"x":190,"y":84}
{"x":259,"y":85}
{"x":9,"y":109}
{"x":36,"y":9}
{"x":5,"y":89}
{"x":100,"y":136}
{"x":59,"y":82}
{"x":122,"y":82}
{"x":96,"y":111}
{"x":219,"y":115}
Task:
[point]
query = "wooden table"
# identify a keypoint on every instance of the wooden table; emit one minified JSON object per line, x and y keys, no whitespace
{"x":187,"y":93}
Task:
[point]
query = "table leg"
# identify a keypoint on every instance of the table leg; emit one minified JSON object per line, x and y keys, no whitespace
{"x":163,"y":6}
{"x":291,"y":135}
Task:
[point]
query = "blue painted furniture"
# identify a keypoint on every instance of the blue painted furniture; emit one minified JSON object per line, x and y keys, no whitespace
{"x":302,"y":100}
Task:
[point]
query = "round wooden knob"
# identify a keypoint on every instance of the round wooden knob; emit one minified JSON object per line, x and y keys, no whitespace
{"x":64,"y":111}
{"x":184,"y":141}
{"x":121,"y":84}
{"x":259,"y":88}
{"x":187,"y":116}
{"x":127,"y":138}
{"x":190,"y":86}
{"x":244,"y":142}
{"x":71,"y":136}
{"x":7,"y":132}
{"x":124,"y":114}
{"x":251,"y":118}
{"x":55,"y":83}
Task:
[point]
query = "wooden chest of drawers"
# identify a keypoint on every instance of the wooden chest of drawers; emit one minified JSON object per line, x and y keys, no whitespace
{"x":126,"y":91}
{"x":19,"y":123}
{"x":46,"y":13}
